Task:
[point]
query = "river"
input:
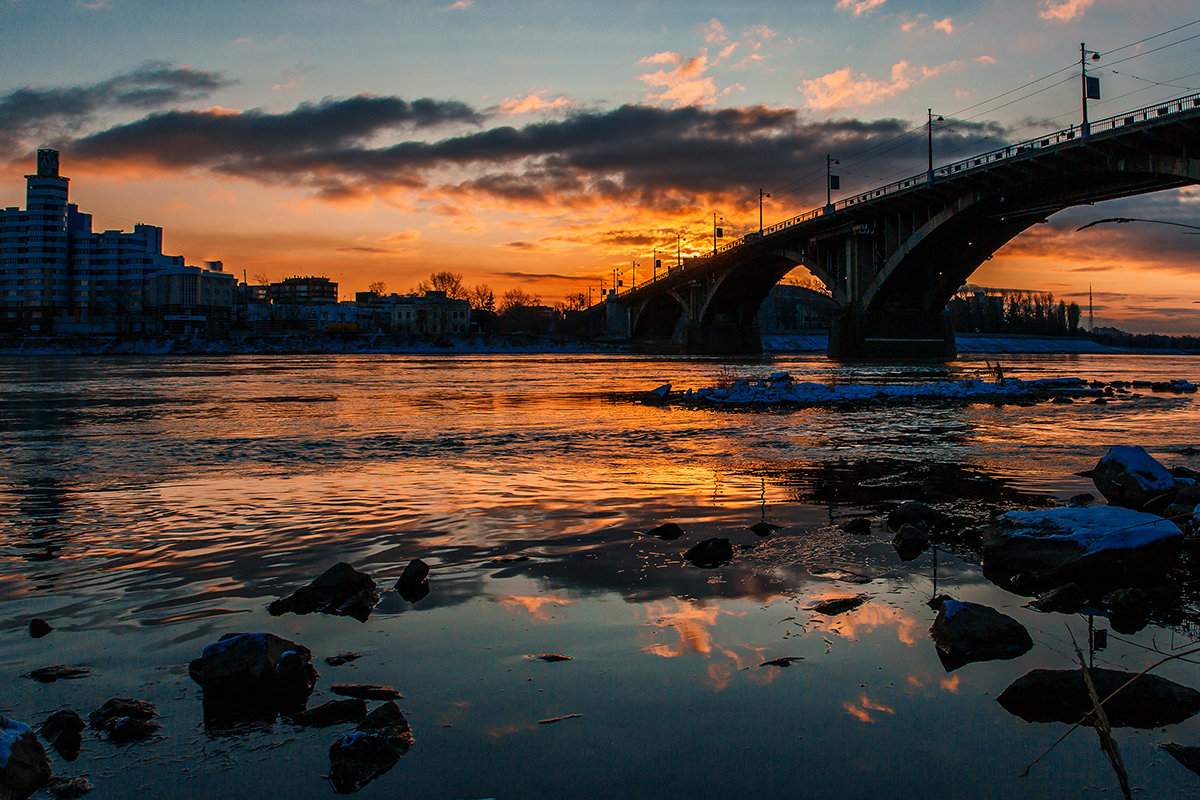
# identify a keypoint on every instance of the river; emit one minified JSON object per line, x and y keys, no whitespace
{"x":150,"y":505}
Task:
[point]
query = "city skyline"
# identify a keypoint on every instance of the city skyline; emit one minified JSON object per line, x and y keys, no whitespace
{"x":541,"y":147}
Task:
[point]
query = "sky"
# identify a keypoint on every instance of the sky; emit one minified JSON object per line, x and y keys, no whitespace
{"x":542,"y":145}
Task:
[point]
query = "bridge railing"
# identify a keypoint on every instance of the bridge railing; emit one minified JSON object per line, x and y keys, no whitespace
{"x":1141,"y":115}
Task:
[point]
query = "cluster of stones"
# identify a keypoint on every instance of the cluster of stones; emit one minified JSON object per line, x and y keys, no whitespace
{"x":244,"y":677}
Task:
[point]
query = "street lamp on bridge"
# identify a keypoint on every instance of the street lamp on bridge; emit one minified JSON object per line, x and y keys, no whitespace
{"x":1091,"y":86}
{"x":718,"y":233}
{"x":761,"y":195}
{"x":831,"y":181}
{"x":929,"y":132}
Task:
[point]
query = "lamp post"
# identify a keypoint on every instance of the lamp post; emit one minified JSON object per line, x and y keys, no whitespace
{"x":929,"y":132}
{"x":1091,"y":86}
{"x":761,"y":195}
{"x":831,"y":181}
{"x":717,"y":232}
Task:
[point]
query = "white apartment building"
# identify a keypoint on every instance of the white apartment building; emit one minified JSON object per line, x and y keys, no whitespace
{"x":58,"y":276}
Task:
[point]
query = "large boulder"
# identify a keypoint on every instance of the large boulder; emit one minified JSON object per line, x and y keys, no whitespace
{"x":1032,"y":551}
{"x":967,"y":632}
{"x":257,"y":668}
{"x":24,"y":767}
{"x":340,"y":590}
{"x":375,"y":746}
{"x":1129,"y":476}
{"x":1150,"y":701}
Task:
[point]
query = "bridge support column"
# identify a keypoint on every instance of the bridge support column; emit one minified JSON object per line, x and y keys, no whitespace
{"x":894,"y":333}
{"x":618,"y":317}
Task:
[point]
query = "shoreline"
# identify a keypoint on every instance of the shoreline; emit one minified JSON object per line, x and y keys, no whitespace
{"x":384,"y":344}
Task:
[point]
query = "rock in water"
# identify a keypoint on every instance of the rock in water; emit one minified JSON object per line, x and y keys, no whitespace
{"x":1066,"y":599}
{"x":763,"y":528}
{"x":1128,"y":610}
{"x":1032,"y":551}
{"x":1046,"y":695}
{"x":910,"y":541}
{"x":710,"y":553}
{"x":839,"y":605}
{"x":68,"y":788}
{"x":669,"y":531}
{"x":260,"y":670}
{"x":333,"y":712}
{"x":375,"y":746}
{"x":24,"y":767}
{"x":914,"y":512}
{"x":39,"y":628}
{"x":365,"y":691}
{"x":124,"y":719}
{"x":413,"y":584}
{"x":967,"y":632}
{"x":340,"y":590}
{"x":1128,"y":476}
{"x":63,"y":731}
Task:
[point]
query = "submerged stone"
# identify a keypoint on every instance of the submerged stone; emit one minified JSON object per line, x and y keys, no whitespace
{"x":669,"y":531}
{"x":124,"y":719}
{"x":365,"y":691}
{"x":332,"y":712}
{"x":839,"y":605}
{"x":910,"y":541}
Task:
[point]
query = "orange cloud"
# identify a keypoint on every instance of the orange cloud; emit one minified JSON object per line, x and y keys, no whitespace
{"x":859,"y":7}
{"x":533,"y":103}
{"x":690,"y":623}
{"x":685,"y":84}
{"x":861,"y":710}
{"x":537,"y":607}
{"x":1064,"y":10}
{"x":846,"y":88}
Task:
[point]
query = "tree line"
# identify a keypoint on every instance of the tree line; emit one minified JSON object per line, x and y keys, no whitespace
{"x":977,"y":309}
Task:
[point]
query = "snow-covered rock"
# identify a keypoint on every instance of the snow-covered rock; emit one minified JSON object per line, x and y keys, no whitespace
{"x":1036,"y":550}
{"x":1129,"y":476}
{"x":24,"y":767}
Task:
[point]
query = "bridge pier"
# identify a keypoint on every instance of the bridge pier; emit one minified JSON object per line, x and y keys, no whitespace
{"x":894,"y":333}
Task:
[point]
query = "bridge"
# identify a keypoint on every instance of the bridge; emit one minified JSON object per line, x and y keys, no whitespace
{"x":893,"y":257}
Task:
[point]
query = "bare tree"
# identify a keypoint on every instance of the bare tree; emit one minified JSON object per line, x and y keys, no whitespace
{"x":377,"y":288}
{"x":575,"y":301}
{"x":448,"y":282}
{"x":515,"y":299}
{"x":482,"y":298}
{"x":262,"y":279}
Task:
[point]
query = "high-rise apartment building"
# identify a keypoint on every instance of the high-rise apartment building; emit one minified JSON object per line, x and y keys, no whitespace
{"x":57,"y":275}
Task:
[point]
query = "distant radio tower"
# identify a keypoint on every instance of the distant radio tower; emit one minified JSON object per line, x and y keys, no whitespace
{"x":1091,"y":320}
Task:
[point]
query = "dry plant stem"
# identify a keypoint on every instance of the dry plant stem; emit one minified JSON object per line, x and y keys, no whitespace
{"x":1103,"y":729}
{"x":1088,"y":716}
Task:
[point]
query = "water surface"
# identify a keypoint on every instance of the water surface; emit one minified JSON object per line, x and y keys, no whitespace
{"x":150,"y":505}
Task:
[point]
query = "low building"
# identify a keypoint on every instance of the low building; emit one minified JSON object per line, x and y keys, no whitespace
{"x":303,"y":291}
{"x":792,"y":309}
{"x":432,"y":314}
{"x":192,"y":300}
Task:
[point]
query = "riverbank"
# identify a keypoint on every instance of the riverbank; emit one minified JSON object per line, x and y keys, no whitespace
{"x":378,"y":343}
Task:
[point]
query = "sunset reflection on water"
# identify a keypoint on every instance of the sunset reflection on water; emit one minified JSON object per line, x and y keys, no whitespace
{"x":151,"y":506}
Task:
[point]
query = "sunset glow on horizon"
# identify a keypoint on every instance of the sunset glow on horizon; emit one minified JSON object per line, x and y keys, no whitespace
{"x":553,"y":148}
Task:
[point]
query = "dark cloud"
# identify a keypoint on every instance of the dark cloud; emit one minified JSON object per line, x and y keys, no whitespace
{"x":648,"y":156}
{"x":539,"y":276}
{"x":363,"y":249}
{"x":29,"y":117}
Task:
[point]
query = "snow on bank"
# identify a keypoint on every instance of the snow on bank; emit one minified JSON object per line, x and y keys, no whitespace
{"x":780,"y":389}
{"x":816,"y":343}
